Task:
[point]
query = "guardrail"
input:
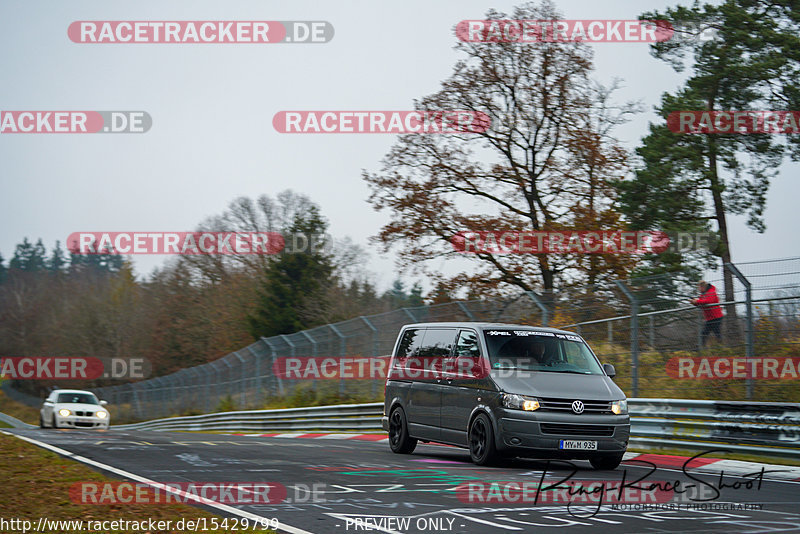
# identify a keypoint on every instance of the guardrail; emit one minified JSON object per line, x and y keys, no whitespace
{"x":341,"y":417}
{"x":14,"y":422}
{"x":765,"y":429}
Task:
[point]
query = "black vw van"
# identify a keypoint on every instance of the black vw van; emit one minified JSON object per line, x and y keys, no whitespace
{"x":504,"y":390}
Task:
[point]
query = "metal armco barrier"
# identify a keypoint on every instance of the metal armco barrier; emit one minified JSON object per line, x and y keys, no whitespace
{"x":341,"y":417}
{"x":14,"y":422}
{"x":766,"y":429}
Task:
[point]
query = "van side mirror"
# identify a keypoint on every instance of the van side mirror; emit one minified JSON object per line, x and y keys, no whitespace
{"x":609,"y":369}
{"x":103,"y":403}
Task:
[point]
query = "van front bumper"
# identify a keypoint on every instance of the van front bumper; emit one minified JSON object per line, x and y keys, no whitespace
{"x":540,"y":433}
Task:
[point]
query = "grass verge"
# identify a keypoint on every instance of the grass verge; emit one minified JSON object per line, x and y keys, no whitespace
{"x":36,"y":484}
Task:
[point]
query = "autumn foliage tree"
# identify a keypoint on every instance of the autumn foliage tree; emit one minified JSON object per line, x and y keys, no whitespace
{"x":543,"y":164}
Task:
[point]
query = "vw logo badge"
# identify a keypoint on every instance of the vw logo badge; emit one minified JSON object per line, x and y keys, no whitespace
{"x":577,"y":407}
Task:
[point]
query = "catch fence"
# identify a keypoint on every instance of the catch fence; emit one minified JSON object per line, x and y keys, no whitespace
{"x":645,"y":327}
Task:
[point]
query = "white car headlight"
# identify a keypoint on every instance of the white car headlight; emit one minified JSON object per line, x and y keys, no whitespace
{"x":63,"y":412}
{"x":102,"y":415}
{"x":619,"y":407}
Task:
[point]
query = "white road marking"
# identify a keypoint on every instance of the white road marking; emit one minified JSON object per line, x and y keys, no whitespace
{"x":222,"y":507}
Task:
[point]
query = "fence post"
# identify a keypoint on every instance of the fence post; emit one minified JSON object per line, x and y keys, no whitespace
{"x":208,"y":388}
{"x":257,"y":361}
{"x":342,"y":350}
{"x":158,"y":387}
{"x":136,"y":400}
{"x":538,"y":301}
{"x":634,"y":335}
{"x":313,"y":353}
{"x":748,"y":291}
{"x":292,"y":346}
{"x":218,"y":377}
{"x":464,"y":308}
{"x":268,"y":343}
{"x":652,"y":333}
{"x":610,"y":332}
{"x":229,"y":389}
{"x":149,"y":398}
{"x":195,"y":371}
{"x":244,"y":380}
{"x":375,"y":344}
{"x":173,"y":380}
{"x":700,"y":322}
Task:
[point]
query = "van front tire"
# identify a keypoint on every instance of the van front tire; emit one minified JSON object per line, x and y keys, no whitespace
{"x":399,"y":440}
{"x":606,"y":462}
{"x":482,"y":449}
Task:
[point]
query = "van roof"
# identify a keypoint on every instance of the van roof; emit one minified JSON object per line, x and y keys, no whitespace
{"x":483,"y":326}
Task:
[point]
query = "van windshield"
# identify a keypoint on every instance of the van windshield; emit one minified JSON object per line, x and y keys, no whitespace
{"x":548,"y":352}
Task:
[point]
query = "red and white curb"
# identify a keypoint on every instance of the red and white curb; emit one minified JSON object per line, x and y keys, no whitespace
{"x":701,"y":465}
{"x":306,"y":435}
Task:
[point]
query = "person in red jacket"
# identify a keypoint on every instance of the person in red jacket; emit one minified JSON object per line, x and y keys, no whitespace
{"x":712,"y":312}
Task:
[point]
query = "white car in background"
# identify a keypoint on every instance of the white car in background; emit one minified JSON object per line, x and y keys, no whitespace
{"x":73,"y":408}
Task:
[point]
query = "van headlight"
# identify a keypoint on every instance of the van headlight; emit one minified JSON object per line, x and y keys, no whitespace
{"x":619,"y":407}
{"x":63,"y":412}
{"x":518,"y":402}
{"x":102,"y":415}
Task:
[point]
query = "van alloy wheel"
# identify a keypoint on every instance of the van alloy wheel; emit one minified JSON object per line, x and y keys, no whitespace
{"x":399,"y":440}
{"x":481,"y":441}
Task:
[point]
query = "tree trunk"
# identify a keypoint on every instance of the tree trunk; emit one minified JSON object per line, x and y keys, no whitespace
{"x":724,"y":250}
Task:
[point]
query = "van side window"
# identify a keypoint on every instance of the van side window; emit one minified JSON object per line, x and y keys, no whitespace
{"x":467,"y":346}
{"x":437,"y":343}
{"x":409,"y":344}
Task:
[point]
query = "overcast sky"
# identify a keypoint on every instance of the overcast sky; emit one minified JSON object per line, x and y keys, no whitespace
{"x":212,"y":105}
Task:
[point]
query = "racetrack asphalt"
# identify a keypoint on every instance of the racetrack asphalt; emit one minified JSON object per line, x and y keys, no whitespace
{"x":349,"y":485}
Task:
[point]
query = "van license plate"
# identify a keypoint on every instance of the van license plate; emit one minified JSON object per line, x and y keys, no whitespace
{"x":571,"y":444}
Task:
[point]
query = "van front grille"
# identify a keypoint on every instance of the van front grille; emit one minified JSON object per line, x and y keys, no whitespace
{"x":565,"y":405}
{"x":576,"y":430}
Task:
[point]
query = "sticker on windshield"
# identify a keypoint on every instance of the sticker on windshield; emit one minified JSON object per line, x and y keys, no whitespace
{"x":533,"y":333}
